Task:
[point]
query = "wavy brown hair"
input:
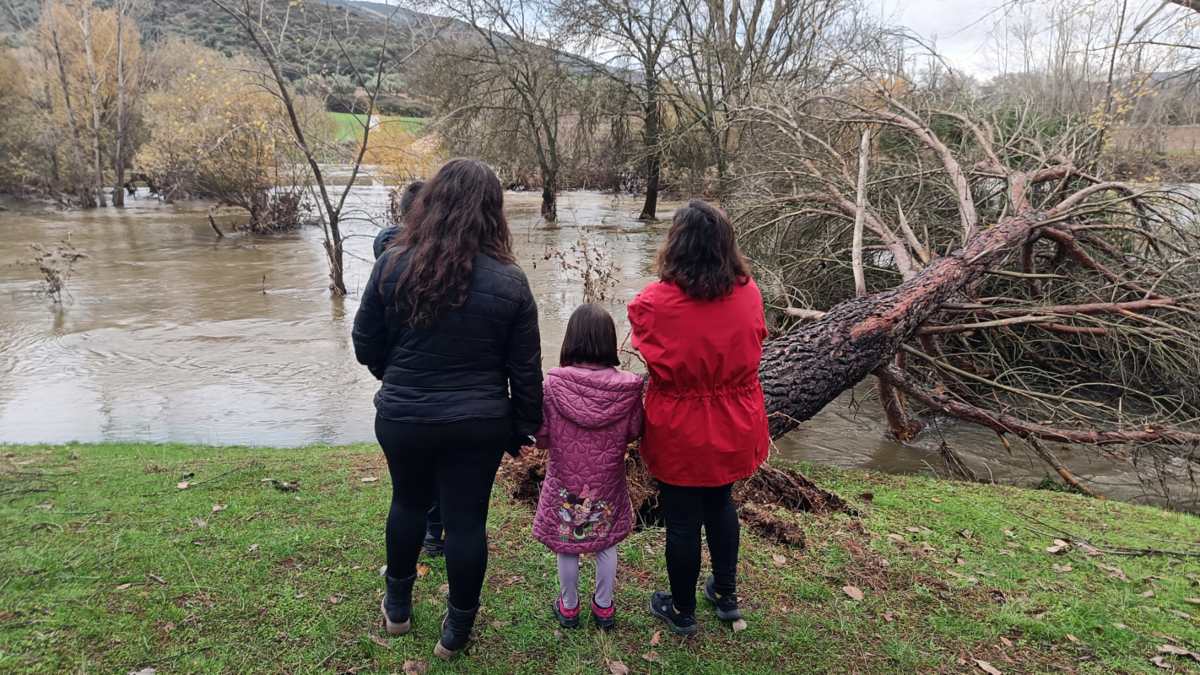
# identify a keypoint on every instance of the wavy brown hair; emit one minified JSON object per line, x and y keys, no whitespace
{"x":458,"y":214}
{"x":701,"y":255}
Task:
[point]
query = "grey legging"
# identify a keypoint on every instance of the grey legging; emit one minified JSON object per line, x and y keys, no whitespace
{"x":606,"y":576}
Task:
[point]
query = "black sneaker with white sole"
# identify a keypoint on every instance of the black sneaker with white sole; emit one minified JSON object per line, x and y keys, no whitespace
{"x":726,"y":605}
{"x":663,"y":606}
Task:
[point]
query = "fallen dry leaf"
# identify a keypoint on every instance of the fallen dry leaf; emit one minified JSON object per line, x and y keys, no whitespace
{"x":935,"y":500}
{"x":1120,"y":626}
{"x":183,"y":485}
{"x":1071,"y":638}
{"x":157,"y":579}
{"x":422,"y":569}
{"x":779,"y":560}
{"x":1089,"y":549}
{"x":1005,"y":641}
{"x":739,"y":625}
{"x":200,"y":523}
{"x":1009,"y":533}
{"x":335,"y":599}
{"x":897,"y":538}
{"x":617,"y":668}
{"x":1113,"y":571}
{"x":656,"y":638}
{"x":217,"y":508}
{"x":1182,"y":615}
{"x":1058,"y":548}
{"x":966,"y":534}
{"x":987,"y":667}
{"x":124,"y":586}
{"x":143,"y":671}
{"x":854,"y":592}
{"x":1161,"y":662}
{"x":1061,"y":568}
{"x":381,"y":642}
{"x":652,"y":656}
{"x":1174,"y":649}
{"x":369,"y":479}
{"x":1147,"y":594}
{"x":889,"y":617}
{"x":414,"y":667}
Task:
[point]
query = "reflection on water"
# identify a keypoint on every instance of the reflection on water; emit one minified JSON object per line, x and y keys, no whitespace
{"x":170,"y":334}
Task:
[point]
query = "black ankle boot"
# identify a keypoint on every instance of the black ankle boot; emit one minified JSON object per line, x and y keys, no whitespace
{"x":456,"y":631}
{"x":397,"y":605}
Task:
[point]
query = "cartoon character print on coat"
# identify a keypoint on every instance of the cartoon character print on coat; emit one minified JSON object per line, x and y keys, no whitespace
{"x":591,"y":415}
{"x":582,"y":518}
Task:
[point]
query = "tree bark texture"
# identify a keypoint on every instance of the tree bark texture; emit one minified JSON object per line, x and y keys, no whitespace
{"x":805,"y":369}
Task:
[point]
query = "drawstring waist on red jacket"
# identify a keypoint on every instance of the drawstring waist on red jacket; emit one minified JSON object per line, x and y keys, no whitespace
{"x":724,"y":391}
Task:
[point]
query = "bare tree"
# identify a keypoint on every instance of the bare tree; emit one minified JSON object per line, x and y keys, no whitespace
{"x":124,"y":9}
{"x":268,"y":30}
{"x":510,"y":75}
{"x":728,"y":49}
{"x":95,"y":83}
{"x":628,"y":41}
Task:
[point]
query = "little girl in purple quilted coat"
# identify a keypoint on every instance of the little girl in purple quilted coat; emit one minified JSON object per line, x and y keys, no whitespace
{"x":592,"y":412}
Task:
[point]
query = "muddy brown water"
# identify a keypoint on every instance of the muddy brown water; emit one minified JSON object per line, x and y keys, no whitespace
{"x":171,"y":335}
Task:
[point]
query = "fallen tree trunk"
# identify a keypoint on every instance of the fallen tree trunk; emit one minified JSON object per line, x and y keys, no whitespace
{"x":808,"y":367}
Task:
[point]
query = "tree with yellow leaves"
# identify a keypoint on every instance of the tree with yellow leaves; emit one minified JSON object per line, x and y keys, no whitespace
{"x":214,"y":132}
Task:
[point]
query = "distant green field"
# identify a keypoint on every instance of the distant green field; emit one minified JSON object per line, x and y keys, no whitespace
{"x":349,"y":125}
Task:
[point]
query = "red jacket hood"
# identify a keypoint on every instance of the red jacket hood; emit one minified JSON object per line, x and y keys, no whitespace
{"x":593,"y":397}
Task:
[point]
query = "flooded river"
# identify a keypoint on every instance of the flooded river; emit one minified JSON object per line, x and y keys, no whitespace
{"x":170,"y":334}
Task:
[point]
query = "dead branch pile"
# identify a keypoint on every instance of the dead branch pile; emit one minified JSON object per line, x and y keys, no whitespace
{"x":768,"y":500}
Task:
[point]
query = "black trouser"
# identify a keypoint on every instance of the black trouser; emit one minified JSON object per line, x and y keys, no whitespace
{"x":433,"y":523}
{"x":456,"y":464}
{"x":685,"y":510}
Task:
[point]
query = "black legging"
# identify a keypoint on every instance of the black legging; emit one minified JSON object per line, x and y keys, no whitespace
{"x":685,"y":510}
{"x":456,"y":462}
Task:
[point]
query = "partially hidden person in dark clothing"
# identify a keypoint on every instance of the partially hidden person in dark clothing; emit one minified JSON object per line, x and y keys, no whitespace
{"x":700,"y":329}
{"x":400,"y":209}
{"x":434,"y":545}
{"x":449,"y":325}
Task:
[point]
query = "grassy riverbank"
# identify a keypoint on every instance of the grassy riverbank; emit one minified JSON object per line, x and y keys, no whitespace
{"x":107,"y":565}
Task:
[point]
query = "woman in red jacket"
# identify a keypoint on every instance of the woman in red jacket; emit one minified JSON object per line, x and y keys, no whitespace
{"x":700,"y":329}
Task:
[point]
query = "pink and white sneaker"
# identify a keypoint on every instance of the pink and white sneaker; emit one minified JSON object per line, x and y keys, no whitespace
{"x":567,"y":618}
{"x":605,"y":617}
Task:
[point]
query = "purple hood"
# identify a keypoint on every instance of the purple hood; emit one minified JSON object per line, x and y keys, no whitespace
{"x":593,"y":398}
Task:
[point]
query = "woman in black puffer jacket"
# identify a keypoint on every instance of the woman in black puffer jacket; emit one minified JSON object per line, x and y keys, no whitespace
{"x":448,"y":324}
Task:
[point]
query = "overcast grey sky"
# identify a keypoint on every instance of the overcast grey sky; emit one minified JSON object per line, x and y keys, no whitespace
{"x":962,"y":28}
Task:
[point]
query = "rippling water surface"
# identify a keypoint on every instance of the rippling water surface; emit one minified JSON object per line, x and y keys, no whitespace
{"x":169,"y":334}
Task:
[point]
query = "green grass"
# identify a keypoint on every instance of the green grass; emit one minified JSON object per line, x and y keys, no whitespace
{"x":106,"y":566}
{"x":349,"y":126}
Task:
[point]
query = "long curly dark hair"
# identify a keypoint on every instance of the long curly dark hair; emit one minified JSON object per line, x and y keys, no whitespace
{"x":457,"y":214}
{"x":701,"y":255}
